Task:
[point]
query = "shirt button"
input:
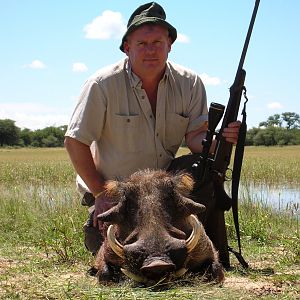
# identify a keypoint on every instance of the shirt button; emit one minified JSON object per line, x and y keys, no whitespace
{"x":143,"y":97}
{"x":160,"y":155}
{"x":128,"y":120}
{"x":151,"y":116}
{"x":157,"y":134}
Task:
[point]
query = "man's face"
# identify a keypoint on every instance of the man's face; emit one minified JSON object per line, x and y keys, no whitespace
{"x":147,"y":48}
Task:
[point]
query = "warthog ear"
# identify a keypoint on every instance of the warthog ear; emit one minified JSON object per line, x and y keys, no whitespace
{"x":184,"y":183}
{"x":112,"y":188}
{"x":114,"y":191}
{"x":113,"y":215}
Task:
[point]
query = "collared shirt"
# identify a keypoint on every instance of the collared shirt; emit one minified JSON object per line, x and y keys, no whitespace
{"x":114,"y":114}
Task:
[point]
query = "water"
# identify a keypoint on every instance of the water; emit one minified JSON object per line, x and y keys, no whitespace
{"x":281,"y":197}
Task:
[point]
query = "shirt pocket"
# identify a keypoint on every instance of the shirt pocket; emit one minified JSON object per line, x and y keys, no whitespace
{"x":128,"y":133}
{"x":176,"y":126}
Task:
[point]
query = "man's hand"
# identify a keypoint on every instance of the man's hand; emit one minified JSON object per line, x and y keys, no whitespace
{"x":231,"y":132}
{"x":102,"y":204}
{"x":194,"y":138}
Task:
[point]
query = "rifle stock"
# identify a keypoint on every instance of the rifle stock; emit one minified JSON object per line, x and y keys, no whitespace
{"x":219,"y":166}
{"x":224,"y":149}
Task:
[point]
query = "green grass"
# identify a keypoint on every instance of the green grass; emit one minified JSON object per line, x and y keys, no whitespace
{"x":42,"y":254}
{"x":272,"y":165}
{"x":269,"y":165}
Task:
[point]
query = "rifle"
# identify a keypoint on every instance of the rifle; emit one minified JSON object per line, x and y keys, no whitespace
{"x":214,"y":167}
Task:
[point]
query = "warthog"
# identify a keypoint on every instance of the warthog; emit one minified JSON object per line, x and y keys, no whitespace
{"x":154,"y":232}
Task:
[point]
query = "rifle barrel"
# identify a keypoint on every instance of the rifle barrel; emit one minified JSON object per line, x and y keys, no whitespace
{"x":247,"y":40}
{"x":223,"y":148}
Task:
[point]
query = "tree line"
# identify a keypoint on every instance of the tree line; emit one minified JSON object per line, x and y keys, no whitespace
{"x":11,"y":135}
{"x":278,"y":129}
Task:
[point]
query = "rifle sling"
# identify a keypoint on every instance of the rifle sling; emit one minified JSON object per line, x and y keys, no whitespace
{"x":236,"y":172}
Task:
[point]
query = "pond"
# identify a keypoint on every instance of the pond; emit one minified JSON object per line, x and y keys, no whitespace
{"x":281,"y":197}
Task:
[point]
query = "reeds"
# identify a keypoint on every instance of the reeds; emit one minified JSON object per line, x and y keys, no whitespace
{"x":272,"y":165}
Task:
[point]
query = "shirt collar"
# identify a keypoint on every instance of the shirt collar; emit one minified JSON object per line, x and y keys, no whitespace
{"x":135,"y":81}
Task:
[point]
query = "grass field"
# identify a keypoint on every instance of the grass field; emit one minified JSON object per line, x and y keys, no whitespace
{"x":42,"y":255}
{"x":271,"y":165}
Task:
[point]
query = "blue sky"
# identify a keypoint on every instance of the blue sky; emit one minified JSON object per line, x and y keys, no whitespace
{"x":50,"y":47}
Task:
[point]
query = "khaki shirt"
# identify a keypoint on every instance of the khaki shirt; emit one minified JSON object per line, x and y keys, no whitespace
{"x":114,"y":112}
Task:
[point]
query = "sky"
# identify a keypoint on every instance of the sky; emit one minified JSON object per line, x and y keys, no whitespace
{"x":50,"y":47}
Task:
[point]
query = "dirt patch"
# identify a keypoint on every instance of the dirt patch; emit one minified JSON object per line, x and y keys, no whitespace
{"x":6,"y":264}
{"x":259,"y":288}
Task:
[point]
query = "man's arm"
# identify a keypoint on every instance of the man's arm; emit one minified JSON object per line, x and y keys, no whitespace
{"x":194,"y":138}
{"x":82,"y":160}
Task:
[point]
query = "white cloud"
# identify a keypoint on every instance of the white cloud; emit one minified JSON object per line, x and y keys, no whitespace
{"x":36,"y":64}
{"x":109,"y":25}
{"x":182,"y":38}
{"x":79,"y":67}
{"x":208,"y":80}
{"x":33,"y":115}
{"x":274,"y":105}
{"x":34,"y":122}
{"x":112,"y":25}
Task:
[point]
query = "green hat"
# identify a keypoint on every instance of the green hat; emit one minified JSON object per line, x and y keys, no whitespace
{"x":148,"y":13}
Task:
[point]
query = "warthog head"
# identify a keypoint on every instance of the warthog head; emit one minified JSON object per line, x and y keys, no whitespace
{"x":154,"y":231}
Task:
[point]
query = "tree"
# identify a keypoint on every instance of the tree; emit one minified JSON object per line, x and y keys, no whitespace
{"x":50,"y":141}
{"x":274,"y":121}
{"x":283,"y":137}
{"x":9,"y":133}
{"x":49,"y":137}
{"x":250,"y":135}
{"x":25,"y":137}
{"x":292,"y":120}
{"x":265,"y":137}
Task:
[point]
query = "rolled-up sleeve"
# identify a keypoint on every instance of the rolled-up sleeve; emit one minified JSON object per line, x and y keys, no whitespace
{"x":87,"y":121}
{"x":197,"y":109}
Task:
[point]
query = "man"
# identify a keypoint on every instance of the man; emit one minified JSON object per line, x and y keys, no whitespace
{"x":136,"y":113}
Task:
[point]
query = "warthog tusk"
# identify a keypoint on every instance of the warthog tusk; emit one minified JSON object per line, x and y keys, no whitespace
{"x":193,"y":239}
{"x":114,"y":243}
{"x":134,"y":277}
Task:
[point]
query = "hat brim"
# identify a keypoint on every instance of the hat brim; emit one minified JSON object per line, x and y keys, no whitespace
{"x":150,"y":20}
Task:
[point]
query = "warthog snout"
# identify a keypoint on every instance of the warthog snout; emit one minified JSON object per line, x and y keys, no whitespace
{"x":157,"y":268}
